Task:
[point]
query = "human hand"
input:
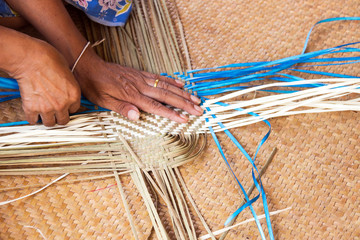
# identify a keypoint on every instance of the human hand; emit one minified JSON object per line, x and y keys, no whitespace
{"x":126,"y":90}
{"x":47,"y":86}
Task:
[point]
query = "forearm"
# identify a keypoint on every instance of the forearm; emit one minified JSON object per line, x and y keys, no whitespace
{"x":52,"y":20}
{"x":13,"y":48}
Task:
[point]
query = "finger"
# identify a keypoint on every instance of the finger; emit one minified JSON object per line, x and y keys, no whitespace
{"x":179,"y":92}
{"x":48,"y":119}
{"x":124,"y":108}
{"x":74,"y":107}
{"x":62,"y":117}
{"x":172,"y":99}
{"x":151,"y":106}
{"x":152,"y":77}
{"x":32,"y":117}
{"x":174,"y":82}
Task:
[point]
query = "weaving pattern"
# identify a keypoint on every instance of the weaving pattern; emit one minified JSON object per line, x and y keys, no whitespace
{"x":302,"y":134}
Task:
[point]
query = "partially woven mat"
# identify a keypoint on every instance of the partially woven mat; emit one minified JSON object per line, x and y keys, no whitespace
{"x":316,"y":170}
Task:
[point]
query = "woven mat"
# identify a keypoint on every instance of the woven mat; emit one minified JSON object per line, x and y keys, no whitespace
{"x":316,"y":170}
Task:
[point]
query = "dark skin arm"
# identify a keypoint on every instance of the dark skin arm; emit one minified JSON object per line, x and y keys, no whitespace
{"x":124,"y":90}
{"x":42,"y":74}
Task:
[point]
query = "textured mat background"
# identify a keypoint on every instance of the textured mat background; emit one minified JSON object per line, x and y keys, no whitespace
{"x":316,"y":170}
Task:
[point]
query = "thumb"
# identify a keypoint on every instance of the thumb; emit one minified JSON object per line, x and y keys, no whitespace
{"x":124,"y":108}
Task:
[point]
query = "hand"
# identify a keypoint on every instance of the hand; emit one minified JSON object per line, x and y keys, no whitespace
{"x":126,"y":90}
{"x":47,"y":86}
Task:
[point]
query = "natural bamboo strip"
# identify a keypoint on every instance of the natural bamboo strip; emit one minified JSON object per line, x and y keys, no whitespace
{"x":193,"y":203}
{"x":159,"y":228}
{"x":315,"y":96}
{"x":241,"y":223}
{"x":122,"y":193}
{"x":37,"y":191}
{"x":182,"y":203}
{"x":99,"y":162}
{"x":158,"y":178}
{"x":182,"y":37}
{"x":126,"y":205}
{"x":149,"y":40}
{"x":65,"y":181}
{"x":345,"y":81}
{"x":155,"y":219}
{"x":160,"y":187}
{"x":38,"y":230}
{"x":179,"y":203}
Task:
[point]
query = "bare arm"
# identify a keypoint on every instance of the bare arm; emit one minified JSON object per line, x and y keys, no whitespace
{"x":118,"y":88}
{"x":47,"y":87}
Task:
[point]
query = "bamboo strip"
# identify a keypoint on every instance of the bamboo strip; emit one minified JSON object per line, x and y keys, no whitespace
{"x":65,"y":181}
{"x":244,"y":222}
{"x":37,"y":191}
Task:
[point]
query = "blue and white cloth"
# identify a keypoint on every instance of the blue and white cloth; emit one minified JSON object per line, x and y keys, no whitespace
{"x":5,"y":10}
{"x":106,"y":12}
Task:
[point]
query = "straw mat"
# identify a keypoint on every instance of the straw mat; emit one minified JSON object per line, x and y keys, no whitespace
{"x":316,"y":170}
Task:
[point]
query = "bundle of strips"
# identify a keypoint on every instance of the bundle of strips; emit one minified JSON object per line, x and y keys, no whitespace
{"x":152,"y":149}
{"x":152,"y":39}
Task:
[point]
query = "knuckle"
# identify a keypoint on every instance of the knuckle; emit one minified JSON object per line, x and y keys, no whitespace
{"x":156,"y":105}
{"x":74,"y":106}
{"x":74,"y":99}
{"x":63,"y":120}
{"x":46,"y":110}
{"x":185,"y":104}
{"x":165,"y":94}
{"x":29,"y":105}
{"x":128,"y":87}
{"x":77,"y":91}
{"x":186,"y":95}
{"x":121,"y":108}
{"x":74,"y":95}
{"x":59,"y":107}
{"x":29,"y":108}
{"x":165,"y":86}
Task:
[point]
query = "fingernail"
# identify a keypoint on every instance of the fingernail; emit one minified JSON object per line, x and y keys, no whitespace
{"x":198,"y":109}
{"x":133,"y":115}
{"x":195,"y":99}
{"x":184,"y":117}
{"x":180,"y":82}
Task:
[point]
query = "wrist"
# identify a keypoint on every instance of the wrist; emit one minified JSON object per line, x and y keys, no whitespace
{"x":88,"y":64}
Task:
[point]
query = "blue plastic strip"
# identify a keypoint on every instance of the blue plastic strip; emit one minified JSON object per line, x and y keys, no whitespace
{"x":325,"y":21}
{"x":8,"y":83}
{"x":4,"y":99}
{"x":12,"y":124}
{"x":9,"y":93}
{"x":249,"y":202}
{"x":252,"y":161}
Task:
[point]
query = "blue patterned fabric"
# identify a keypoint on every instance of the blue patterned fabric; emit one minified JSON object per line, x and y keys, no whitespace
{"x":5,"y":10}
{"x":106,"y":12}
